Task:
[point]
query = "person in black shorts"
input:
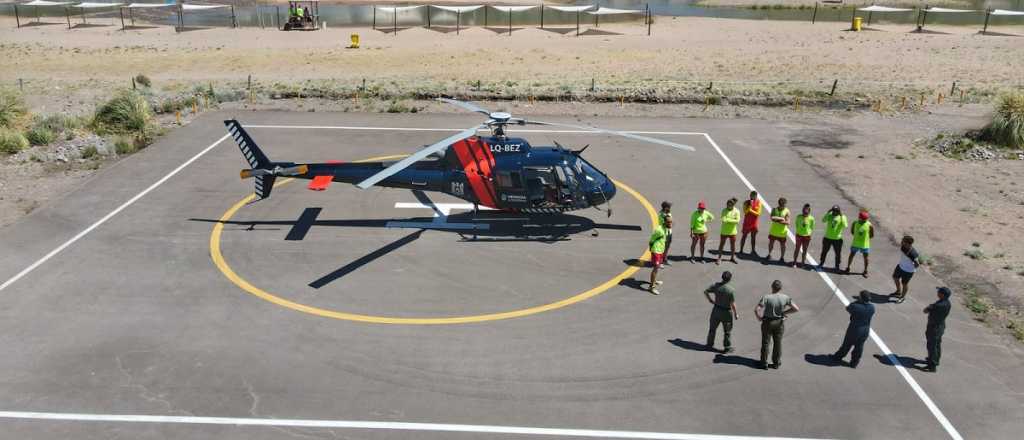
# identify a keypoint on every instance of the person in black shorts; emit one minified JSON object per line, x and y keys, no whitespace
{"x":904,"y":271}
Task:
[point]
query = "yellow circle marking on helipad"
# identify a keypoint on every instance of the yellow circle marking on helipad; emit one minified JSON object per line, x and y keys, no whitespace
{"x":218,"y":260}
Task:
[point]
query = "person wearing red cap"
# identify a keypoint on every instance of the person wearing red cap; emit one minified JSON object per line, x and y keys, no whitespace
{"x":751,"y":216}
{"x":699,"y":229}
{"x":862,"y":232}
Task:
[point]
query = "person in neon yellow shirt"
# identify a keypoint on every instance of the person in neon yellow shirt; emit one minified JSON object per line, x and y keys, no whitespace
{"x":863,"y":231}
{"x":657,"y":248}
{"x":699,"y":229}
{"x":666,"y":213}
{"x":804,"y":227}
{"x":835,"y":224}
{"x":777,"y":233}
{"x":730,"y":226}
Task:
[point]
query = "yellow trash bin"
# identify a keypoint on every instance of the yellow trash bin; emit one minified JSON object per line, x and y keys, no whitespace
{"x":355,"y":41}
{"x":857,"y":23}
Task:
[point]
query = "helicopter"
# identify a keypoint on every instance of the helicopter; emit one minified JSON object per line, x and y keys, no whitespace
{"x":499,"y":172}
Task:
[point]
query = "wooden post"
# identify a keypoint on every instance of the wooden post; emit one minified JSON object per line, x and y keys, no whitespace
{"x":952,"y":89}
{"x":796,"y":103}
{"x":177,"y":116}
{"x":834,"y":84}
{"x":17,"y":18}
{"x":577,"y":23}
{"x":133,"y":83}
{"x":485,"y":15}
{"x":962,"y":93}
{"x":394,"y":28}
{"x":121,"y":11}
{"x":510,"y":22}
{"x":458,"y":21}
{"x":903,"y":104}
{"x":649,"y":19}
{"x":67,"y":14}
{"x":374,"y":25}
{"x":541,"y":15}
{"x":707,"y":102}
{"x":428,"y":16}
{"x":938,"y":100}
{"x":988,"y":13}
{"x":815,"y":16}
{"x":922,"y":101}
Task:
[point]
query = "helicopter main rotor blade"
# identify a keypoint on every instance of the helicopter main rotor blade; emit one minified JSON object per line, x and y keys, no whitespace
{"x":617,"y":133}
{"x":465,"y":105}
{"x":415,"y":157}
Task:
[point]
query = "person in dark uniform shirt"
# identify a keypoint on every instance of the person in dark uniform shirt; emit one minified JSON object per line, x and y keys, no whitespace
{"x":861,"y":312}
{"x":723,"y":311}
{"x":937,"y":313}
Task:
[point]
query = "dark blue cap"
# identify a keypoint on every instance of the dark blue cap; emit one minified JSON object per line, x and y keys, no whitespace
{"x":945,"y":291}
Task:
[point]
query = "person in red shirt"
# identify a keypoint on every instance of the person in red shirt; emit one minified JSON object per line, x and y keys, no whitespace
{"x":751,"y":217}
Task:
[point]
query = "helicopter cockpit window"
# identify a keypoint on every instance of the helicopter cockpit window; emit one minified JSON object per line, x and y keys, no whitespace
{"x":509,"y":180}
{"x":566,"y":177}
{"x":587,"y":170}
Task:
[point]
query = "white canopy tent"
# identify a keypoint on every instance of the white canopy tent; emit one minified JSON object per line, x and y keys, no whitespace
{"x":203,"y":7}
{"x":36,"y":4}
{"x":601,"y":10}
{"x":82,"y":7}
{"x":999,"y":12}
{"x":131,"y":7}
{"x":576,"y":9}
{"x":875,"y":8}
{"x":509,"y":10}
{"x":923,"y":14}
{"x":394,"y":10}
{"x":458,"y":10}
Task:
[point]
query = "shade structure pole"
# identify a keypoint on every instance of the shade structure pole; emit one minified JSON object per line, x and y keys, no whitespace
{"x":394,"y":27}
{"x":869,"y":17}
{"x":648,"y":19}
{"x":988,"y":13}
{"x":541,"y":15}
{"x":17,"y":19}
{"x":458,"y":21}
{"x":121,"y":11}
{"x":67,"y":14}
{"x":510,"y":22}
{"x":428,"y":16}
{"x":597,"y":19}
{"x":374,"y":25}
{"x":485,"y":15}
{"x":234,"y":22}
{"x":131,"y":16}
{"x":577,"y":23}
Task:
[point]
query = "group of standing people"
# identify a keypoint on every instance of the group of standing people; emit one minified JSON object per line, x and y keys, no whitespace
{"x":835,"y":222}
{"x":773,"y":308}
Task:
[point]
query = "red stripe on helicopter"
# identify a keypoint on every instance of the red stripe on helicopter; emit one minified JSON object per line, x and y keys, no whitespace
{"x":485,"y":162}
{"x":473,"y":172}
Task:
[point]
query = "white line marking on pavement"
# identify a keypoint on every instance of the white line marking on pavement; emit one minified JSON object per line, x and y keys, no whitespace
{"x":391,"y":426}
{"x":950,"y":429}
{"x":344,"y":127}
{"x":99,"y":222}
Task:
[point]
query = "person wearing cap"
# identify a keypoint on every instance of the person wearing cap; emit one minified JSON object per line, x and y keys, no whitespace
{"x":730,"y":223}
{"x":904,"y":271}
{"x":666,"y":213}
{"x":777,"y":232}
{"x":937,"y":313}
{"x":863,"y":231}
{"x":723,"y":311}
{"x":861,"y":311}
{"x":772,"y":310}
{"x":835,"y":224}
{"x":804,"y":227}
{"x":699,"y":229}
{"x":751,"y":217}
{"x":656,"y":244}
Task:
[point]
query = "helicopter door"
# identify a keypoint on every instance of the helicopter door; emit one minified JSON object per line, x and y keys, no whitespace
{"x":541,"y":187}
{"x":510,"y":189}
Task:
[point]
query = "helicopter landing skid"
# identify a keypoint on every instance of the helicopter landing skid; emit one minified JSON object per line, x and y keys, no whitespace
{"x":441,"y":213}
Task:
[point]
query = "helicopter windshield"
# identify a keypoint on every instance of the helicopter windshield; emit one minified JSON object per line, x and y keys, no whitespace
{"x":587,"y":171}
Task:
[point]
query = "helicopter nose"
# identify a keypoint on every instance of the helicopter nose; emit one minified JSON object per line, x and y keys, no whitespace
{"x":603,"y":193}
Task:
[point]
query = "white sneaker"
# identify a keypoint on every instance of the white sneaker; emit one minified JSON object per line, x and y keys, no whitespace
{"x":655,"y":292}
{"x":657,"y":283}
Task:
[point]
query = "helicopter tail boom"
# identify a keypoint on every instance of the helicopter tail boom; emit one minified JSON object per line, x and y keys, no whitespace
{"x":262,"y":169}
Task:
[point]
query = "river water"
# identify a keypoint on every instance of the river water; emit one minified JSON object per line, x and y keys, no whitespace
{"x":363,"y":15}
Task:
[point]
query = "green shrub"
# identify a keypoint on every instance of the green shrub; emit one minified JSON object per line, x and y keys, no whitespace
{"x":398,"y":107}
{"x":124,"y":145}
{"x":90,"y":152}
{"x":59,"y":123}
{"x":12,"y":107}
{"x":40,"y":136}
{"x":1007,"y":126}
{"x":126,"y":112}
{"x":11,"y":141}
{"x":143,"y":80}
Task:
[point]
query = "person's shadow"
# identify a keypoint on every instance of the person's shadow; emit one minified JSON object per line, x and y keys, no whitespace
{"x":906,"y":361}
{"x":823,"y":360}
{"x":687,"y":345}
{"x":732,"y":359}
{"x":635,"y":284}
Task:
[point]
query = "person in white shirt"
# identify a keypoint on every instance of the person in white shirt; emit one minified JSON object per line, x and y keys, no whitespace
{"x":904,"y":271}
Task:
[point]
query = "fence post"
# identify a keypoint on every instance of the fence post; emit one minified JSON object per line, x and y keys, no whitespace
{"x":834,"y":84}
{"x":952,"y":89}
{"x":593,"y":85}
{"x":815,"y":16}
{"x":21,"y":84}
{"x":133,"y":83}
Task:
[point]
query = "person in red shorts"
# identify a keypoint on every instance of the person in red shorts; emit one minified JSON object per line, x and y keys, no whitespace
{"x":656,"y":244}
{"x":751,"y":217}
{"x":804,"y":226}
